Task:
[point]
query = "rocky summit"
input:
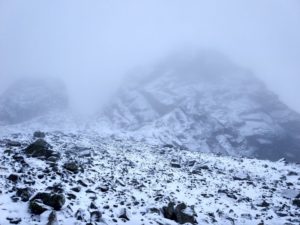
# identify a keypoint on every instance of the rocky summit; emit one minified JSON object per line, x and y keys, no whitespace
{"x":100,"y":180}
{"x":204,"y":102}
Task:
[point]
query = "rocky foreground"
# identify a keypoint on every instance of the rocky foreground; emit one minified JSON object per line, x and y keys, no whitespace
{"x":57,"y":178}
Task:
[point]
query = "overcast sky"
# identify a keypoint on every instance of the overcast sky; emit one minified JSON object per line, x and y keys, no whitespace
{"x":91,"y":44}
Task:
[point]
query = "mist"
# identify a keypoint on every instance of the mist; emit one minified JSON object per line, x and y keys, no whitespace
{"x":92,"y":45}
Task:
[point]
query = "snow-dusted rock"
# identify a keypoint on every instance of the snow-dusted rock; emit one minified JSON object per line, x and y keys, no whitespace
{"x":206,"y":103}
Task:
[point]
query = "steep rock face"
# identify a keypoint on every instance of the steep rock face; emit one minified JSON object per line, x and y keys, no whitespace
{"x":206,"y":103}
{"x":31,"y":97}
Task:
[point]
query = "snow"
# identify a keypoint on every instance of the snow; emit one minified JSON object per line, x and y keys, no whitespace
{"x":119,"y":163}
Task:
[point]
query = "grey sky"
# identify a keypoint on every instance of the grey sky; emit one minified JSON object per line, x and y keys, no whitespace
{"x":91,"y":44}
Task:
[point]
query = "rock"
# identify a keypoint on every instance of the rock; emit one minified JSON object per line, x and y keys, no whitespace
{"x":228,"y":193}
{"x":241,"y":177}
{"x":154,"y":210}
{"x":82,"y":183}
{"x":191,"y":163}
{"x":71,"y":196}
{"x":103,"y":188}
{"x":168,"y":146}
{"x":169,"y":211}
{"x":52,"y":219}
{"x":184,"y":214}
{"x":296,"y":202}
{"x":181,"y":213}
{"x":11,"y":143}
{"x":72,"y":166}
{"x":24,"y":193}
{"x":80,"y":215}
{"x":13,"y":177}
{"x":16,"y":220}
{"x":175,"y":165}
{"x":40,"y":149}
{"x":37,"y":207}
{"x":76,"y":189}
{"x":95,"y":216}
{"x":56,"y":201}
{"x":39,"y":134}
{"x":123,"y":214}
{"x":53,"y":158}
{"x":263,"y":204}
{"x":198,"y":169}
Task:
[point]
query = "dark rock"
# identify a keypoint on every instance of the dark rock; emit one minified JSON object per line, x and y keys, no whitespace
{"x":179,"y":214}
{"x":175,"y":165}
{"x":241,"y":177}
{"x":52,"y":219}
{"x":37,"y":207}
{"x":53,"y":158}
{"x":39,"y":134}
{"x":13,"y":177}
{"x":56,"y":188}
{"x":292,"y":173}
{"x":154,"y":210}
{"x":76,"y":189}
{"x":18,"y":158}
{"x":40,"y":149}
{"x":82,"y":183}
{"x":72,"y":166}
{"x":93,"y":206}
{"x":11,"y":143}
{"x":182,"y":216}
{"x":169,"y":211}
{"x":263,"y":204}
{"x":14,"y":220}
{"x":123,"y":214}
{"x":103,"y":188}
{"x":24,"y":193}
{"x":80,"y":215}
{"x":95,"y":216}
{"x":296,"y":202}
{"x":56,"y":201}
{"x":168,"y":146}
{"x":191,"y":163}
{"x":228,"y":193}
{"x":71,"y":196}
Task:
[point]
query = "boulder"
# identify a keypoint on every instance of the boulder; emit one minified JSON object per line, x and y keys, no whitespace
{"x":296,"y":202}
{"x":56,"y":201}
{"x":13,"y":177}
{"x":72,"y":166}
{"x":37,"y":207}
{"x":181,"y":213}
{"x":41,"y":149}
{"x":95,"y":216}
{"x":24,"y":193}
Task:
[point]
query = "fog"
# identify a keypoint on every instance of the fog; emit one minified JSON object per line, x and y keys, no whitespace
{"x":93,"y":44}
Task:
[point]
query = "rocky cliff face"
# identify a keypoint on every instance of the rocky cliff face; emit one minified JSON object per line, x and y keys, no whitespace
{"x":29,"y":98}
{"x":205,"y":103}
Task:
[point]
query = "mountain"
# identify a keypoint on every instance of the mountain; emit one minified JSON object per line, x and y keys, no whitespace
{"x":29,"y":98}
{"x":204,"y":102}
{"x":80,"y":178}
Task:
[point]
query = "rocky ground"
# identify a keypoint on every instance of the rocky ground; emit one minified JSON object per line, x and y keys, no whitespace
{"x":59,"y":178}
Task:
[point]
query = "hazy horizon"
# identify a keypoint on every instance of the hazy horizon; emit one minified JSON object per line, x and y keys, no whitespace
{"x":92,"y":45}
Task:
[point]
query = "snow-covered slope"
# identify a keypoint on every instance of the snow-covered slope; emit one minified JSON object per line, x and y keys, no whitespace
{"x":85,"y":179}
{"x":206,"y":103}
{"x":29,"y":98}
